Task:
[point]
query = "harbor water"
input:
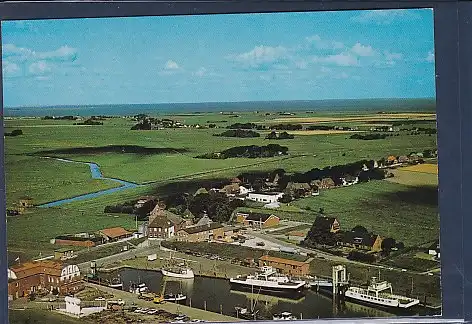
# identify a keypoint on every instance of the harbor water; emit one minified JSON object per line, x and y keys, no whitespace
{"x":215,"y":295}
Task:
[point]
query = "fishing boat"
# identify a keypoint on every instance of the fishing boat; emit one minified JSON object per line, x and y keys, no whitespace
{"x":171,"y":269}
{"x":116,"y":283}
{"x":178,"y":272}
{"x":244,"y":313}
{"x":284,"y":316}
{"x":380,"y":293}
{"x":174,"y":297}
{"x":268,"y":281}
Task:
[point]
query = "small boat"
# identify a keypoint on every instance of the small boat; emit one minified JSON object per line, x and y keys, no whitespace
{"x":284,"y":316}
{"x":174,"y":297}
{"x":116,"y":283}
{"x":244,"y":313}
{"x":138,"y":288}
{"x":177,"y":272}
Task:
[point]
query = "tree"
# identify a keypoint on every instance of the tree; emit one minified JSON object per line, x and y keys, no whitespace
{"x":388,"y":243}
{"x":55,"y":291}
{"x":360,"y":229}
{"x":321,"y":211}
{"x":272,"y":135}
{"x":17,"y":132}
{"x":286,"y":198}
{"x":400,"y":245}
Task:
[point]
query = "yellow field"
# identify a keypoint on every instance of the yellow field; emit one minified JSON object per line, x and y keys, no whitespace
{"x":416,"y":175}
{"x":423,"y":168}
{"x":360,"y":118}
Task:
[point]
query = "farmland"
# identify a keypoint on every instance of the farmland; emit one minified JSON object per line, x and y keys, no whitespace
{"x":391,"y":209}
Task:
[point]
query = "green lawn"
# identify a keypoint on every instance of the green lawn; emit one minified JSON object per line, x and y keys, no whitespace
{"x":37,"y":316}
{"x":408,"y":214}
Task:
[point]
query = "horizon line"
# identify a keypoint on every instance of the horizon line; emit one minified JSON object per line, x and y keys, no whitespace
{"x":216,"y":102}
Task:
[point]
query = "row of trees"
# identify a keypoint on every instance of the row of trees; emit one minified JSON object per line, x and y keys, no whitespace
{"x":287,"y":127}
{"x":60,"y":118}
{"x":371,"y":136}
{"x":250,"y":151}
{"x":239,"y":133}
{"x":283,"y":135}
{"x":246,"y":126}
{"x":217,"y":205}
{"x":91,"y":121}
{"x":129,"y":208}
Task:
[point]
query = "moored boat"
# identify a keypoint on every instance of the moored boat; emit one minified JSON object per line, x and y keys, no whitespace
{"x":268,"y":281}
{"x":284,"y":316}
{"x":174,"y":297}
{"x":178,"y":272}
{"x":116,"y":283}
{"x":380,"y":293}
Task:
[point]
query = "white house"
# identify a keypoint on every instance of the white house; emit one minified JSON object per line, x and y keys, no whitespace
{"x":348,"y":181}
{"x":70,"y":272}
{"x":74,"y":308}
{"x":265,"y":197}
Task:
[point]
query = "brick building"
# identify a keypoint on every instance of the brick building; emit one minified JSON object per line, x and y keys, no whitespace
{"x":286,"y":266}
{"x":257,"y":220}
{"x":43,"y":276}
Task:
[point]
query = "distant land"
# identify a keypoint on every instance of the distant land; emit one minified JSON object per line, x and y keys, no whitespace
{"x":391,"y":104}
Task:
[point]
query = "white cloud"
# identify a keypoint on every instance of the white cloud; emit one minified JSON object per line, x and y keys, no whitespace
{"x":383,"y":17}
{"x":201,"y":72}
{"x":324,"y":44}
{"x":342,"y":59}
{"x":392,"y":58}
{"x":63,"y":53}
{"x":430,"y":57}
{"x":261,"y":54}
{"x":9,"y":68}
{"x":363,"y":50}
{"x":171,"y":65}
{"x":40,"y":67}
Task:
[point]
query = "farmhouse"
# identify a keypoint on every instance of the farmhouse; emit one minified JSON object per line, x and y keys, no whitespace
{"x":160,"y":227}
{"x":115,"y":234}
{"x":325,"y":183}
{"x":243,"y":190}
{"x":327,"y":224}
{"x":403,"y":159}
{"x":64,"y":254}
{"x":205,"y":220}
{"x":286,"y":266}
{"x":361,"y":241}
{"x":392,"y":159}
{"x":298,"y":189}
{"x":43,"y":276}
{"x":257,"y":220}
{"x":349,"y":180}
{"x":203,"y":233}
{"x":265,"y":197}
{"x":231,"y":189}
{"x":434,"y":250}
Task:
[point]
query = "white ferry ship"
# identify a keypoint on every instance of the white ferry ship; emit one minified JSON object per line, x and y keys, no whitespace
{"x":269,"y":282}
{"x":380,"y":293}
{"x":284,"y":316}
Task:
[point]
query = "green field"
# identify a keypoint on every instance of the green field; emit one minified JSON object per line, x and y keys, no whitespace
{"x":408,"y":214}
{"x":379,"y":206}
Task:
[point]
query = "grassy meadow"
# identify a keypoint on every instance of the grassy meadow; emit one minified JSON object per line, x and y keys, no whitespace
{"x":402,"y":210}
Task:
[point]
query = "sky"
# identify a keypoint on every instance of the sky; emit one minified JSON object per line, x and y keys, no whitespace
{"x":219,"y":58}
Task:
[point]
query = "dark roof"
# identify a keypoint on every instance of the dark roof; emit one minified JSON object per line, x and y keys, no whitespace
{"x":366,"y":239}
{"x":324,"y":222}
{"x":257,"y":216}
{"x":202,"y":228}
{"x":175,"y":219}
{"x":160,"y":222}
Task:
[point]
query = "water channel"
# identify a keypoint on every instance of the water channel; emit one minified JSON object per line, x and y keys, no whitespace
{"x":96,"y":174}
{"x":215,"y":295}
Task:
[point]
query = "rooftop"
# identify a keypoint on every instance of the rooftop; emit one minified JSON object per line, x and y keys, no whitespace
{"x":202,"y":228}
{"x":36,"y":267}
{"x":114,"y":232}
{"x":265,"y":193}
{"x":282,"y":261}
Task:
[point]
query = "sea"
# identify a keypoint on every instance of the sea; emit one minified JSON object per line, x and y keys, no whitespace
{"x":333,"y":105}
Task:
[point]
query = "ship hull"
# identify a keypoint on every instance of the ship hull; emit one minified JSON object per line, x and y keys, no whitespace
{"x":293,"y":293}
{"x":187,"y":275}
{"x":389,"y":309}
